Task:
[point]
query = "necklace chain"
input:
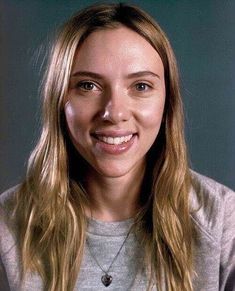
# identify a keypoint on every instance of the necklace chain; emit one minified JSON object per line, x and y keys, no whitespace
{"x":114,"y":259}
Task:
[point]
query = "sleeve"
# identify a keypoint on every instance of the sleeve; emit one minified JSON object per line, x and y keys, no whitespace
{"x":6,"y":244}
{"x":227,"y":262}
{"x":4,"y":284}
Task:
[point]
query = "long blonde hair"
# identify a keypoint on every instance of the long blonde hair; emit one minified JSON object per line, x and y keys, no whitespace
{"x":50,"y":202}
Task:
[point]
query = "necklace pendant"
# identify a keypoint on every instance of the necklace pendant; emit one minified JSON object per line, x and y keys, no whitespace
{"x":106,"y":280}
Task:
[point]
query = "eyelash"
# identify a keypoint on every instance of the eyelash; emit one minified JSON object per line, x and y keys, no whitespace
{"x":143,"y":83}
{"x":82,"y":85}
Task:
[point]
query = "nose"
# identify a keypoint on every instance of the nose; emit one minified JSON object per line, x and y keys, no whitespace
{"x":116,"y":107}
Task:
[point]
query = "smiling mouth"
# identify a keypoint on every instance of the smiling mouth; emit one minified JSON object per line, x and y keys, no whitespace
{"x":114,"y":140}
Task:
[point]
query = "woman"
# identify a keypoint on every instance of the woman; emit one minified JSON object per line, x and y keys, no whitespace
{"x":109,"y":202}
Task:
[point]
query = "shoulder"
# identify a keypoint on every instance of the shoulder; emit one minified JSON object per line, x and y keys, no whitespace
{"x":7,"y":200}
{"x":7,"y":205}
{"x":8,"y":195}
{"x":213,"y":206}
{"x":9,"y":244}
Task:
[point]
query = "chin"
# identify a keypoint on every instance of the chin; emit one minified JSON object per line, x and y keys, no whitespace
{"x":112,"y":172}
{"x":117,"y":170}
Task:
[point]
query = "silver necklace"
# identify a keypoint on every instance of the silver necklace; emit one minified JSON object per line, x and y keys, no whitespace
{"x":107,"y":279}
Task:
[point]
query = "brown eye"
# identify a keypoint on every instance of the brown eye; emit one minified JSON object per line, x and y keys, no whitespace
{"x":142,"y":87}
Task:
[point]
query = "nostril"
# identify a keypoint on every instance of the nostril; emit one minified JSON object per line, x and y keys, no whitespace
{"x":115,"y":111}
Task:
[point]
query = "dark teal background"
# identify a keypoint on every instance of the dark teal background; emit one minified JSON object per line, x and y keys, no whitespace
{"x":202,"y":34}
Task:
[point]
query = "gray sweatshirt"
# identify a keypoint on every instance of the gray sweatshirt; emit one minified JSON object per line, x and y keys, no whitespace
{"x":214,"y":250}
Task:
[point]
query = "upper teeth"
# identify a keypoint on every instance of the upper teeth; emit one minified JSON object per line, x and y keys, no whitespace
{"x":115,"y":140}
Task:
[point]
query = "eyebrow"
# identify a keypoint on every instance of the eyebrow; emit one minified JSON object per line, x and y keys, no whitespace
{"x":129,"y":76}
{"x":87,"y":74}
{"x":142,"y":74}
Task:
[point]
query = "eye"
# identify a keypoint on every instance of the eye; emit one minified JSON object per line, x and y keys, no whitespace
{"x":142,"y":86}
{"x":87,"y":86}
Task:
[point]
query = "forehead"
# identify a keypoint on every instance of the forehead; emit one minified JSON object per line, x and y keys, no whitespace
{"x":116,"y":49}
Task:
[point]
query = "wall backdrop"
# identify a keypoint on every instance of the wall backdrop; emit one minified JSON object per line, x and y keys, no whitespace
{"x":202,"y":34}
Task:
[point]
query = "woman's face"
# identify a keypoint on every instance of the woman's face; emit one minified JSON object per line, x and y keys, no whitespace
{"x":115,"y":102}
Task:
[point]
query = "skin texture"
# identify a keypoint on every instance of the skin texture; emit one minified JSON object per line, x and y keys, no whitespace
{"x":117,"y":87}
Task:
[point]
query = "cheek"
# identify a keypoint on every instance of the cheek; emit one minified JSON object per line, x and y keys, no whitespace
{"x":150,"y":115}
{"x":75,"y":118}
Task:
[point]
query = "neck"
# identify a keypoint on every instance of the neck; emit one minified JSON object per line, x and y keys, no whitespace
{"x":114,"y":199}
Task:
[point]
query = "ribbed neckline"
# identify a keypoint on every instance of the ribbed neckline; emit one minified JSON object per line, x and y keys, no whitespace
{"x":103,"y":228}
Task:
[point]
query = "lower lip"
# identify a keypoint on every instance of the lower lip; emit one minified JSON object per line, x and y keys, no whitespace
{"x":115,"y":149}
